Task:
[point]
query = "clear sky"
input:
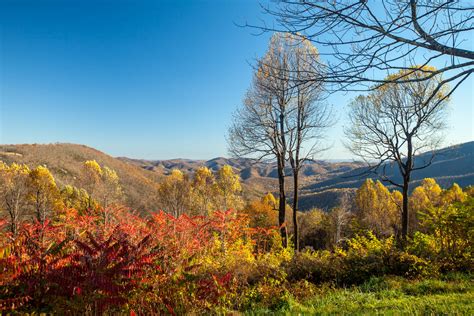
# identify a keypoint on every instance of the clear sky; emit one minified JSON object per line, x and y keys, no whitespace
{"x":143,"y":79}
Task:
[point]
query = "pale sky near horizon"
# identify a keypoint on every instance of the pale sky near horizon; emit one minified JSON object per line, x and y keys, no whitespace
{"x":143,"y":79}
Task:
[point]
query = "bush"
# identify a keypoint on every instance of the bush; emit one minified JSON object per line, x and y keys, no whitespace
{"x":364,"y":258}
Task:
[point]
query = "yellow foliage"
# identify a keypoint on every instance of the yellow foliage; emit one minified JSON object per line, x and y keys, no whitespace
{"x":14,"y":192}
{"x":378,"y":209}
{"x":74,"y":198}
{"x":204,"y":191}
{"x":93,"y":168}
{"x":261,"y":214}
{"x":270,"y":199}
{"x":229,"y":187}
{"x":454,"y":194}
{"x":44,"y":193}
{"x":175,"y":193}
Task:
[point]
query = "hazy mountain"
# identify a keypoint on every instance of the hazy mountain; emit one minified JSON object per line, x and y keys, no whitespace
{"x":247,"y":168}
{"x":322,"y":181}
{"x":450,"y":164}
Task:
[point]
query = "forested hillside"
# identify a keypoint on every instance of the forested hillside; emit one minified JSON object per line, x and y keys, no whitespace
{"x":450,"y":165}
{"x":324,"y":182}
{"x":65,"y":163}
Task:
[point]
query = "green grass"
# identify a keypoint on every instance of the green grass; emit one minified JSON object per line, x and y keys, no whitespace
{"x":389,"y":296}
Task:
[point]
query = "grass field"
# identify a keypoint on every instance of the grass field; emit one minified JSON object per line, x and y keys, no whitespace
{"x":450,"y":295}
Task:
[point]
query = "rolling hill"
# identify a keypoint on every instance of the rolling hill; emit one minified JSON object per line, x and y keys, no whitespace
{"x":322,"y":182}
{"x":64,"y":161}
{"x":450,"y":164}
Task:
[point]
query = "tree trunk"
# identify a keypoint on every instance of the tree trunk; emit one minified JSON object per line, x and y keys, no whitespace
{"x":282,"y":200}
{"x":295,"y":209}
{"x":281,"y":174}
{"x":338,"y":227}
{"x":406,"y":183}
{"x":405,"y":214}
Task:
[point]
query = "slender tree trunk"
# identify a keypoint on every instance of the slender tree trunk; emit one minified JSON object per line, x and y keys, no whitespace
{"x":281,"y":173}
{"x":406,"y":183}
{"x":295,"y":209}
{"x":405,"y":214}
{"x":282,"y":200}
{"x":13,"y":225}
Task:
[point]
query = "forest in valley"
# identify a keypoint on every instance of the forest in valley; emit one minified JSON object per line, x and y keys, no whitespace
{"x":109,"y":236}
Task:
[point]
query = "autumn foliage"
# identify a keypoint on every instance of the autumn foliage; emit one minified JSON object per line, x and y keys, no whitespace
{"x":62,"y":251}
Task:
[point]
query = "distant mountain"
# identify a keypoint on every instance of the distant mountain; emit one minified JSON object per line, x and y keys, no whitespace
{"x":247,"y":168}
{"x":259,"y":177}
{"x":324,"y":200}
{"x":322,"y":182}
{"x":450,"y":164}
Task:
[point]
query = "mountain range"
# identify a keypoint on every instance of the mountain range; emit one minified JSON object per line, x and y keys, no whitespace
{"x":322,"y":182}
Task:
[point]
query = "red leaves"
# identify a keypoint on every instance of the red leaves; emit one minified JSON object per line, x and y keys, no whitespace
{"x":110,"y":266}
{"x":76,"y":291}
{"x":82,"y":263}
{"x":214,"y":287}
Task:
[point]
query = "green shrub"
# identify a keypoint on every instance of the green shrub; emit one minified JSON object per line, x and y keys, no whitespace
{"x":368,"y":256}
{"x":314,"y":266}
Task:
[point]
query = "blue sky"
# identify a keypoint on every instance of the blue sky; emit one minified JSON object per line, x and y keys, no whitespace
{"x":143,"y":79}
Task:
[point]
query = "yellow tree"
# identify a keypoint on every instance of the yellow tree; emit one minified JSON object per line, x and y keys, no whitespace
{"x":397,"y":199}
{"x":389,"y":210}
{"x":424,"y":196}
{"x":366,"y":199}
{"x":262,"y":213}
{"x":91,"y":179}
{"x":14,"y":192}
{"x":44,"y":194}
{"x":204,"y":191}
{"x":102,"y":184}
{"x":111,"y":190}
{"x":378,"y":209}
{"x":229,"y":188}
{"x":270,"y":199}
{"x":453,"y":194}
{"x":75,"y":198}
{"x":174,"y":193}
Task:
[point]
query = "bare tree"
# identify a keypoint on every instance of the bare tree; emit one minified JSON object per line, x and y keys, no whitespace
{"x":366,"y":40}
{"x":340,"y":217}
{"x":283,"y":118}
{"x":393,"y":124}
{"x":259,"y":127}
{"x":310,"y":116}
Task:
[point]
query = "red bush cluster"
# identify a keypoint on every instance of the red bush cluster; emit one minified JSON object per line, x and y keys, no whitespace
{"x":81,"y":264}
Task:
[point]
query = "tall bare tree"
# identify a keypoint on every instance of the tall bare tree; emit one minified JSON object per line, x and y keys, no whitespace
{"x":259,"y":127}
{"x":309,"y":114}
{"x":283,"y":117}
{"x":393,"y":124}
{"x":366,"y":40}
